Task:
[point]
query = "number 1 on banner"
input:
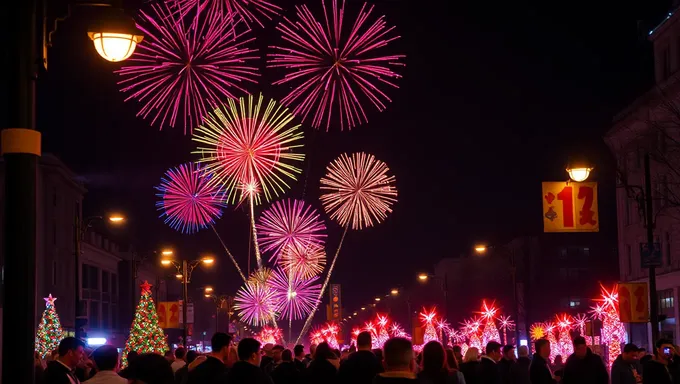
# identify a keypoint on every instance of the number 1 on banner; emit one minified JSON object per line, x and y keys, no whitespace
{"x":570,"y":207}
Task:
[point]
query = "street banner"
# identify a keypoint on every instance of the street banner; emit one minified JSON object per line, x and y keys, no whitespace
{"x":190,"y":313}
{"x":570,"y":207}
{"x":650,"y":257}
{"x":633,"y":303}
{"x":168,"y":314}
{"x":335,"y":303}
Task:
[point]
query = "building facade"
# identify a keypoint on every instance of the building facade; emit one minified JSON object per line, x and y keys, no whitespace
{"x":650,"y":126}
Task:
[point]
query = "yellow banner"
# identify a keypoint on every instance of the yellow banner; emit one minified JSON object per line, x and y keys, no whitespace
{"x":168,"y":314}
{"x":570,"y":207}
{"x":633,"y":303}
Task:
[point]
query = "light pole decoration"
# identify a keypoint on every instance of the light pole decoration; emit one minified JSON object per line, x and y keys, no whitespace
{"x":184,"y":271}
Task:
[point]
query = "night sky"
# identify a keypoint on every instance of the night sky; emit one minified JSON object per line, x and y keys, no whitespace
{"x":495,"y":97}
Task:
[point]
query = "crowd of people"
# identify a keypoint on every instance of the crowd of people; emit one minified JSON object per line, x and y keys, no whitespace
{"x":249,"y":362}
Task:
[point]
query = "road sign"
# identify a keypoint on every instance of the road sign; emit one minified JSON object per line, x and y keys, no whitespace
{"x":650,"y":257}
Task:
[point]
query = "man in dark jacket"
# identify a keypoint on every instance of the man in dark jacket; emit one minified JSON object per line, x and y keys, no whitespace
{"x":626,"y":368}
{"x":213,"y":369}
{"x":286,"y":372}
{"x":362,"y":365}
{"x":488,"y":371}
{"x":583,"y":366}
{"x":506,"y":363}
{"x":539,"y":371}
{"x":299,"y":361}
{"x":61,"y":370}
{"x":656,"y":370}
{"x":519,"y":372}
{"x":247,"y":370}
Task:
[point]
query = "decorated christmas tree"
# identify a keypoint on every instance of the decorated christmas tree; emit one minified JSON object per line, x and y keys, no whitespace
{"x":383,"y":336}
{"x":49,"y":331}
{"x":564,"y":324}
{"x":430,"y":333}
{"x":490,"y":331}
{"x":145,"y":334}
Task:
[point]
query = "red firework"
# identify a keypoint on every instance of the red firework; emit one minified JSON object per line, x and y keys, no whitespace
{"x":332,"y":73}
{"x":304,"y":261}
{"x":289,"y":224}
{"x":184,"y":68}
{"x":357,"y":190}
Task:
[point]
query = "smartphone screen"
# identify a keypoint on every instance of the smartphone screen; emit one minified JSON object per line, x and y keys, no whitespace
{"x":667,"y":351}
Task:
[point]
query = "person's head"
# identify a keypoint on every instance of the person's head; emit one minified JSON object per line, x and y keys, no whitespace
{"x":249,"y":350}
{"x":299,"y":351}
{"x":398,"y":355}
{"x":523,"y":351}
{"x":509,"y":352}
{"x":276,"y":352}
{"x":105,"y":358}
{"x":180,"y":353}
{"x":220,"y":343}
{"x":558,"y":359}
{"x":169,"y":356}
{"x":268,"y":349}
{"x":630,"y":353}
{"x":543,"y":348}
{"x":493,"y":350}
{"x":472,"y":354}
{"x":191,"y":356}
{"x":287,"y":355}
{"x":434,"y":357}
{"x":580,"y":347}
{"x":457,"y":351}
{"x":664,"y":350}
{"x":150,"y":368}
{"x":71,"y":351}
{"x":324,"y":352}
{"x":132,"y":356}
{"x":364,"y":341}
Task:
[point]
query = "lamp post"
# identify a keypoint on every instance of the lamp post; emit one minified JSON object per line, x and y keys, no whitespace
{"x":20,"y":149}
{"x":221,"y":301}
{"x":184,"y":270}
{"x":79,"y":232}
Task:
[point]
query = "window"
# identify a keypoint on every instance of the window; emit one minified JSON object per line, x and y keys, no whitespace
{"x":114,"y":284}
{"x":574,"y":303}
{"x":94,"y":315}
{"x":105,"y":281}
{"x":629,"y":259}
{"x":664,"y":64}
{"x":84,"y":276}
{"x":666,"y":300}
{"x":54,"y":272}
{"x":94,"y":278}
{"x":105,"y":315}
{"x":586,"y":251}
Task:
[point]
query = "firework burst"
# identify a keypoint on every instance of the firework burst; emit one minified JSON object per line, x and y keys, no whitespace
{"x":303,"y":261}
{"x":255,"y":304}
{"x":183,"y":69}
{"x":333,"y":74}
{"x":250,"y":11}
{"x":294,"y":297}
{"x":290,"y":225}
{"x":249,"y":144}
{"x":357,"y":190}
{"x":187,"y":200}
{"x":260,"y":277}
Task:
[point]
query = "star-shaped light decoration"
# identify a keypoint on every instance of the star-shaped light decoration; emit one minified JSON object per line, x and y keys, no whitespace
{"x":49,"y":300}
{"x":146,"y":287}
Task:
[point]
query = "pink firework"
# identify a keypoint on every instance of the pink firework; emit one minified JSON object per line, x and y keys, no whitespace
{"x":289,"y":224}
{"x":333,"y":74}
{"x":303,"y":261}
{"x":248,"y":10}
{"x":293,"y":297}
{"x":255,"y":304}
{"x":188,"y":200}
{"x":357,"y":190}
{"x":183,"y":69}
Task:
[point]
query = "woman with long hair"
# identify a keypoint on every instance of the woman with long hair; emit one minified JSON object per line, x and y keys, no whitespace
{"x":435,"y":369}
{"x":324,"y":368}
{"x":470,"y":366}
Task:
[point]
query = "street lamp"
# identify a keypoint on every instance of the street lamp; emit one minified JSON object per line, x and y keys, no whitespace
{"x":377,"y":299}
{"x":184,"y":270}
{"x":480,"y":249}
{"x":579,"y":174}
{"x":80,"y":230}
{"x":394,"y":292}
{"x":221,"y":301}
{"x":423,"y":276}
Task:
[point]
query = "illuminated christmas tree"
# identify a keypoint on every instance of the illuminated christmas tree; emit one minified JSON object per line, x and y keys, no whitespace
{"x":430,"y":333}
{"x":566,"y":347}
{"x":490,"y":332}
{"x":383,"y":336}
{"x":554,"y":345}
{"x":145,"y":334}
{"x":613,"y":331}
{"x":50,"y":332}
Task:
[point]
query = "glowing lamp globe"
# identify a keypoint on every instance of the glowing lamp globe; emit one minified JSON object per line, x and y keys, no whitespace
{"x":115,"y":47}
{"x":579,"y":174}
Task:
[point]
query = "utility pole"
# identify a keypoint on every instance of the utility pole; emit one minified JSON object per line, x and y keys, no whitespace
{"x":649,"y":218}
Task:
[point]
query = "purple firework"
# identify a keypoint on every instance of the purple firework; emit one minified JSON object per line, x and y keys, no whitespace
{"x":289,"y":223}
{"x":255,"y":304}
{"x":294,"y":297}
{"x":188,"y":200}
{"x":186,"y":68}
